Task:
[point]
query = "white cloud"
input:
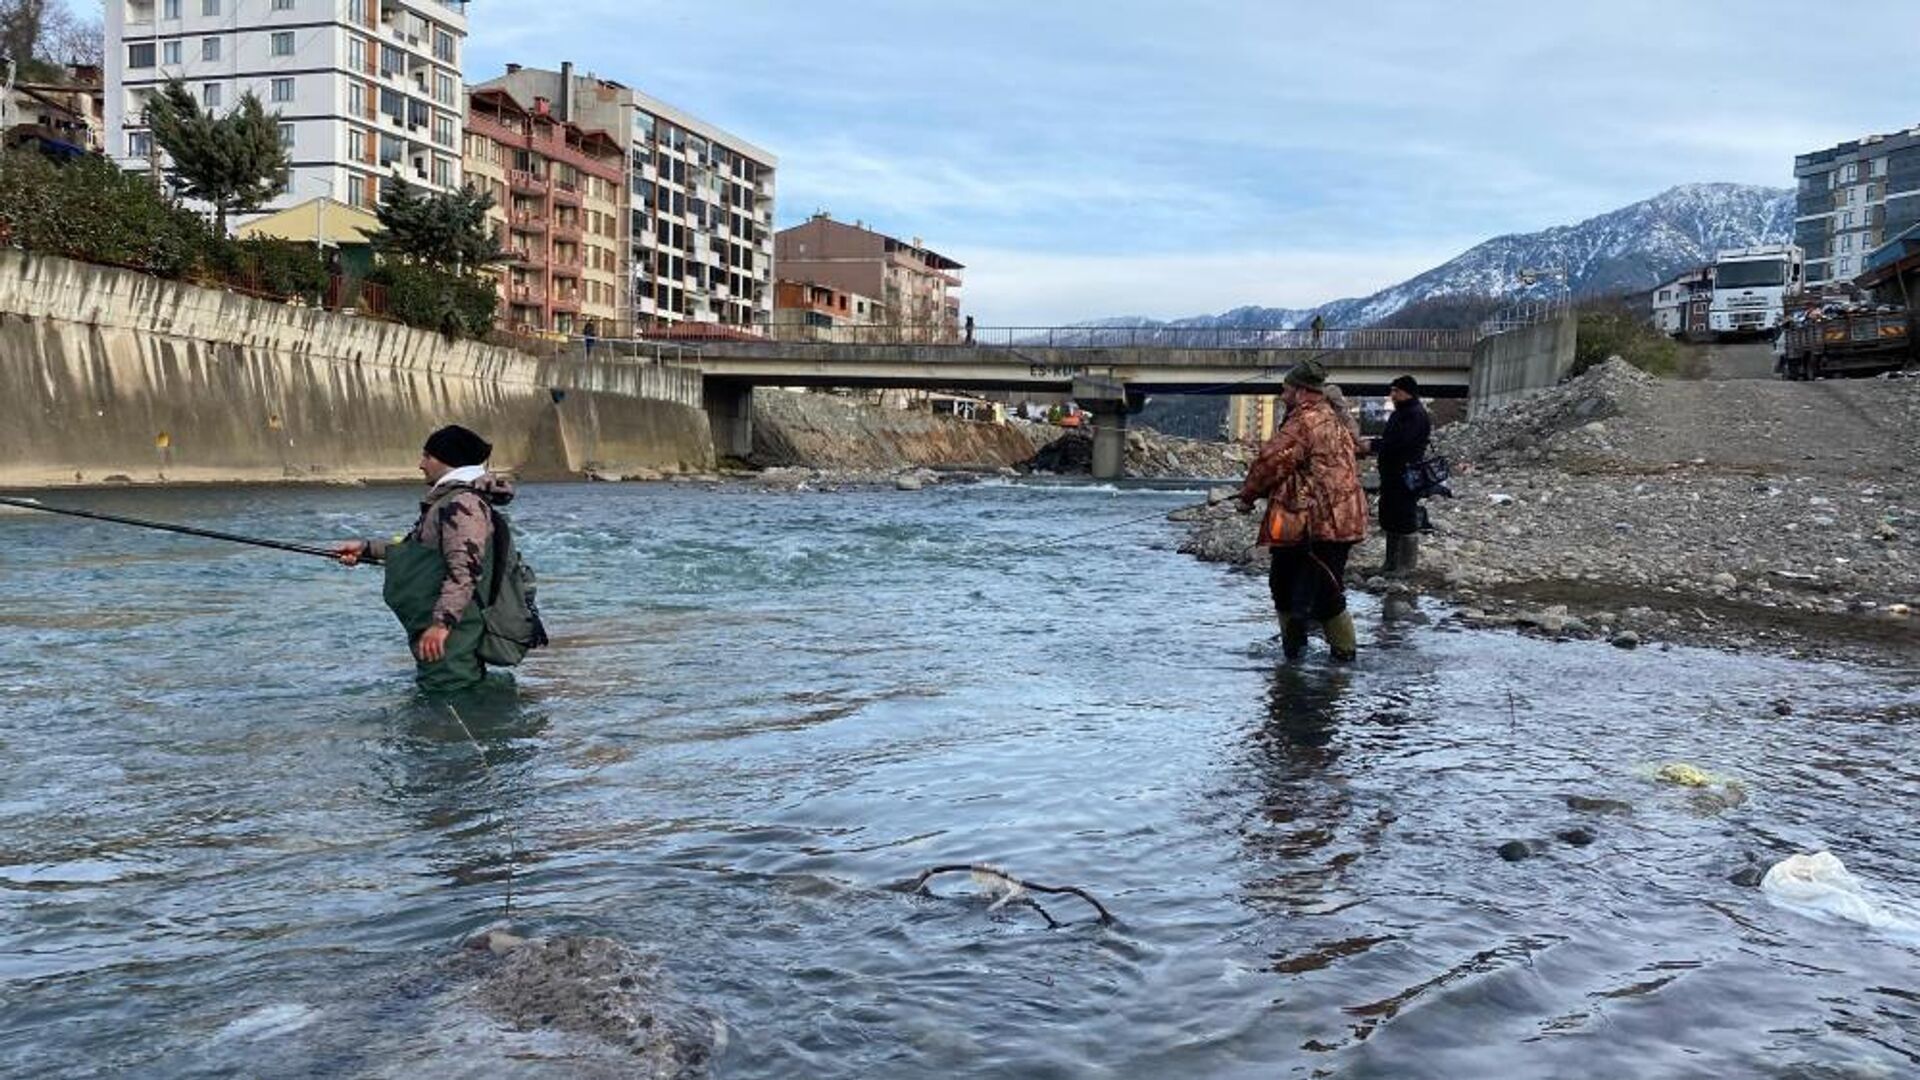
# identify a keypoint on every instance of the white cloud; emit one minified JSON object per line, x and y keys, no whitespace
{"x":1008,"y":287}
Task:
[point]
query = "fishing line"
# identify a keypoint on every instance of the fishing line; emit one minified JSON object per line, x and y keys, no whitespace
{"x":486,"y":769}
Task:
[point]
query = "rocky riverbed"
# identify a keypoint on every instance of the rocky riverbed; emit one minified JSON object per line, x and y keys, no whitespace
{"x":1742,"y":515}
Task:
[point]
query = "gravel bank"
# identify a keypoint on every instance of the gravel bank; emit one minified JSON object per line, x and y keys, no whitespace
{"x":1741,"y":515}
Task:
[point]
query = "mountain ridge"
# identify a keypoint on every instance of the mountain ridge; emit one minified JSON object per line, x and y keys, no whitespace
{"x":1631,"y":249}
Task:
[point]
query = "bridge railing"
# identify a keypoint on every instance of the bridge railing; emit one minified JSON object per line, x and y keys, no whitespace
{"x":1129,"y":337}
{"x":1521,"y":315}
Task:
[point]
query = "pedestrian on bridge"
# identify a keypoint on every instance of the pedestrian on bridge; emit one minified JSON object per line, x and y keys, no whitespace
{"x":1316,"y":512}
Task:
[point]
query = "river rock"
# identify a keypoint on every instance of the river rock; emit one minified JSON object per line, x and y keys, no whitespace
{"x":908,"y":483}
{"x":1626,"y":639}
{"x":1518,"y":850}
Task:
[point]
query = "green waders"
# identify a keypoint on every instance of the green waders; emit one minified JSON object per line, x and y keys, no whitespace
{"x":415,"y":573}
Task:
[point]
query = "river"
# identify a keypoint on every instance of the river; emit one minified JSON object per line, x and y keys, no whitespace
{"x":233,"y":843}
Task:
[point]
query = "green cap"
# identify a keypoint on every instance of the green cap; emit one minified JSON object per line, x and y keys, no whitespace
{"x":1308,"y":373}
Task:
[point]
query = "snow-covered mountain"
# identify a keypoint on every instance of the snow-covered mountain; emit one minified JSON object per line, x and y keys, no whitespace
{"x":1631,"y":249}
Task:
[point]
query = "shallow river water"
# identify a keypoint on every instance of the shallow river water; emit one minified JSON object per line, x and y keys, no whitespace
{"x":233,"y":843}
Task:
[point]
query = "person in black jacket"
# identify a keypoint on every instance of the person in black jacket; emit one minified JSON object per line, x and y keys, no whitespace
{"x":1400,"y":445}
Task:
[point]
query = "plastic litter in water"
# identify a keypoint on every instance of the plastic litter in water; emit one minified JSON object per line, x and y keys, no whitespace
{"x":1819,"y":886}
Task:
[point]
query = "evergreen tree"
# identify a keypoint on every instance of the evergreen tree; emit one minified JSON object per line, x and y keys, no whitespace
{"x":442,"y":230}
{"x":233,"y":162}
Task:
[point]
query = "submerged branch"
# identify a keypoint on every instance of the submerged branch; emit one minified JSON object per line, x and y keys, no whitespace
{"x":1018,"y":885}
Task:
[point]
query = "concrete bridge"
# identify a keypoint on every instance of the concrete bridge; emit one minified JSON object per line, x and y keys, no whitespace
{"x":1108,"y":371}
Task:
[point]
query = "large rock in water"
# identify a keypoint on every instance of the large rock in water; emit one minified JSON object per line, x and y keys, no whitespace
{"x":599,"y":989}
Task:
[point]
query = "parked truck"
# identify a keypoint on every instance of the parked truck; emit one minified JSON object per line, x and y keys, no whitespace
{"x":1840,"y":343}
{"x":1750,"y":287}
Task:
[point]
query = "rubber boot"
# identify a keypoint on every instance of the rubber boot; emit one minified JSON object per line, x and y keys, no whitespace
{"x":1293,"y":637}
{"x":1391,"y":567}
{"x":1342,"y":638}
{"x":1409,"y":553}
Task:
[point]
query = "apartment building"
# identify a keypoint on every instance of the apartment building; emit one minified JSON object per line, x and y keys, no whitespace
{"x":1852,"y":198}
{"x":63,"y":118}
{"x":560,"y":197}
{"x":366,"y":90}
{"x":698,"y":235}
{"x":804,"y":311}
{"x":917,"y":288}
{"x":1252,"y":418}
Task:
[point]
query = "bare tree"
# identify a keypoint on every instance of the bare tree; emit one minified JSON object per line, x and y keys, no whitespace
{"x":49,"y":34}
{"x":70,"y":37}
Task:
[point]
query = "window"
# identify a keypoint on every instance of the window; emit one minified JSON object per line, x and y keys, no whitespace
{"x":443,"y":130}
{"x":140,"y":56}
{"x":394,"y":104}
{"x":1879,"y":167}
{"x":356,"y":54}
{"x":210,"y":48}
{"x":286,"y":136}
{"x":283,"y":5}
{"x":356,"y":191}
{"x":443,"y":46}
{"x":280,"y":90}
{"x":139,"y":144}
{"x":443,"y":88}
{"x":357,"y":99}
{"x":392,"y":61}
{"x":392,"y":149}
{"x":1849,"y":172}
{"x":357,"y":11}
{"x":210,"y":95}
{"x":209,"y":7}
{"x":170,"y":9}
{"x":283,"y":43}
{"x":170,"y":52}
{"x":443,"y":172}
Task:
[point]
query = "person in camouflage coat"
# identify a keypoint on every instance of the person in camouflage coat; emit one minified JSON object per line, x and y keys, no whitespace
{"x":456,"y":524}
{"x":1311,"y":458}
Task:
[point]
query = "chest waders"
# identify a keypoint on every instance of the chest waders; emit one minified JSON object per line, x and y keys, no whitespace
{"x":415,"y":572}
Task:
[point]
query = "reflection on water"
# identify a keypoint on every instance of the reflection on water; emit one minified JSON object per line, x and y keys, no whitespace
{"x":230,"y":833}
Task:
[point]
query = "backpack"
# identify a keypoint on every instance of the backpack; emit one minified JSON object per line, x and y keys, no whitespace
{"x":512,"y":617}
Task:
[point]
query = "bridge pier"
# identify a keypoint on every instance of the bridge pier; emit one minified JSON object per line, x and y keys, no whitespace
{"x":1106,"y":399}
{"x":729,"y":408}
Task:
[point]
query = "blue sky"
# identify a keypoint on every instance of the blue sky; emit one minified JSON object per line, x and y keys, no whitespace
{"x":1110,"y":157}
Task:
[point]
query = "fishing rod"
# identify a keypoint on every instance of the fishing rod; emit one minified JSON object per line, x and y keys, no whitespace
{"x":1157,"y":515}
{"x":184,"y":530}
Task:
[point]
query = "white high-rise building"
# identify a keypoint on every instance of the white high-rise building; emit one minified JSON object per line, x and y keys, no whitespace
{"x":365,"y":89}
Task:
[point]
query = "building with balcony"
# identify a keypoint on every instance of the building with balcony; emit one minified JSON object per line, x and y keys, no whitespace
{"x":366,"y":90}
{"x":560,"y":197}
{"x":917,"y":288}
{"x":1852,"y":198}
{"x":60,"y":118}
{"x":698,"y":232}
{"x":803,"y":311}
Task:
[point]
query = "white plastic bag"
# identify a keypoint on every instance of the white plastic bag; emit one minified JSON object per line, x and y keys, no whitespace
{"x":1819,"y":886}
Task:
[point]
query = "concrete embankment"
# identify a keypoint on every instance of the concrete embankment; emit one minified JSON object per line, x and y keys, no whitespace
{"x":112,"y":376}
{"x":822,"y":431}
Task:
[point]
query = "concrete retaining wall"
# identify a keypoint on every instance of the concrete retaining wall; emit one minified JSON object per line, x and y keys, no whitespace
{"x":1515,"y":364}
{"x":108,"y":374}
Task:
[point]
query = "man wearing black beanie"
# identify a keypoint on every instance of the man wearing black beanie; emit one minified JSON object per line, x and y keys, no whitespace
{"x":433,"y":594}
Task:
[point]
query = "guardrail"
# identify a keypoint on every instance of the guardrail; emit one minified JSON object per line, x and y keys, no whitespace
{"x":1531,"y":313}
{"x":1133,"y":337}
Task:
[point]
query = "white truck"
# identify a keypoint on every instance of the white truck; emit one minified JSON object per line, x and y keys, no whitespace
{"x":1750,"y":286}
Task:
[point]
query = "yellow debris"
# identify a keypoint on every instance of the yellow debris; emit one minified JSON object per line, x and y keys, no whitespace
{"x":1679,"y":772}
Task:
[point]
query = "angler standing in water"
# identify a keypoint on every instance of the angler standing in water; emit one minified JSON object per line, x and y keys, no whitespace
{"x":435,"y":573}
{"x":1316,"y":512}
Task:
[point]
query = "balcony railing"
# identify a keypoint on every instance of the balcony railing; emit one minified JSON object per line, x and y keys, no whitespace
{"x":526,"y":222}
{"x":563,"y":229}
{"x":526,"y":183}
{"x":527,"y":295}
{"x":566,"y":301}
{"x":566,"y":193}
